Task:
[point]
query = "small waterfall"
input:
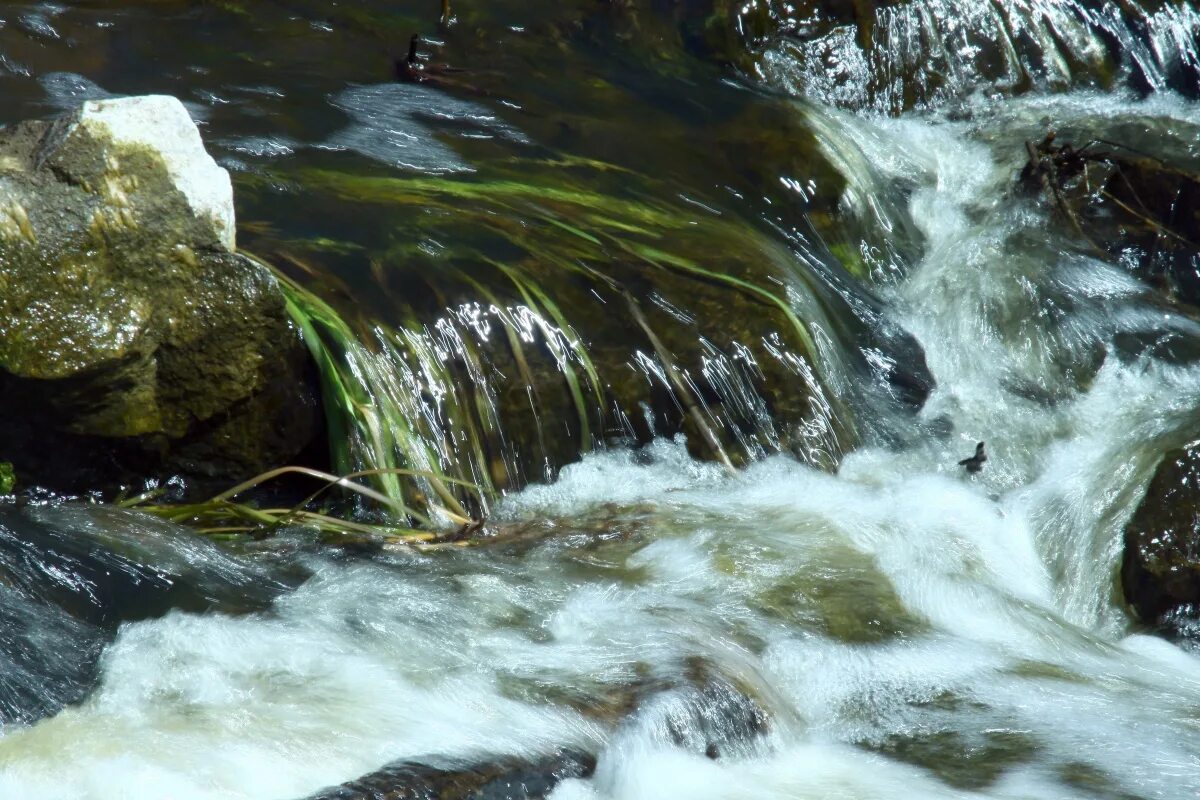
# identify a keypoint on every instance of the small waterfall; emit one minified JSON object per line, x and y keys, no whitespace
{"x":497,"y":370}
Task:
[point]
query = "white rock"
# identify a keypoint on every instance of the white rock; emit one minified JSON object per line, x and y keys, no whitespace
{"x":161,"y":123}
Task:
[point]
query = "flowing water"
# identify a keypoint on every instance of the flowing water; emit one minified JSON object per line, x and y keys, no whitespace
{"x":892,"y":629}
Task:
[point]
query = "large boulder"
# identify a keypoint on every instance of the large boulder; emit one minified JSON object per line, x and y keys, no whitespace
{"x":1161,"y":569}
{"x":134,"y":340}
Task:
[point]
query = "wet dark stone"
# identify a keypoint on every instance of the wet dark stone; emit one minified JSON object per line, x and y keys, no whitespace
{"x":48,"y":658}
{"x":714,"y":717}
{"x":1161,"y":569}
{"x":969,"y":760}
{"x":701,"y":711}
{"x":1142,"y":211}
{"x":70,"y":576}
{"x":504,"y":779}
{"x":106,"y":566}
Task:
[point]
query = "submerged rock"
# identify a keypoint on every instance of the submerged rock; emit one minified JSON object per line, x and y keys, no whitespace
{"x":134,"y":341}
{"x":1161,"y":569}
{"x":505,"y":779}
{"x":700,"y":711}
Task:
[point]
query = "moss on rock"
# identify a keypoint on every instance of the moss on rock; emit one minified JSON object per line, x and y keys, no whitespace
{"x":129,"y":328}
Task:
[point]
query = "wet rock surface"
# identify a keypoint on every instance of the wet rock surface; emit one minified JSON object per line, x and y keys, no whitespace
{"x":133,"y":340}
{"x":69,"y":576}
{"x":706,"y":714}
{"x":898,"y":55}
{"x":506,"y":779}
{"x":1161,"y":569}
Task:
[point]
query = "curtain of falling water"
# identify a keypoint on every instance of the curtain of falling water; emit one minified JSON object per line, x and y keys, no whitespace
{"x":927,"y":53}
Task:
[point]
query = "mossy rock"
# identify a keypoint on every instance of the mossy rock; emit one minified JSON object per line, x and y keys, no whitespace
{"x":134,"y":340}
{"x":972,"y":761}
{"x":847,"y":598}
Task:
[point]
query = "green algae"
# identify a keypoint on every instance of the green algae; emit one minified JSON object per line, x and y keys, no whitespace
{"x":972,"y":762}
{"x":846,"y":597}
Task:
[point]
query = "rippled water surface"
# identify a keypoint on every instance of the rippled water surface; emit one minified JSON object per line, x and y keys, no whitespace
{"x":894,"y":628}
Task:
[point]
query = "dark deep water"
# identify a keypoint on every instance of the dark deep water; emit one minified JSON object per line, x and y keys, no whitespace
{"x":903,"y":630}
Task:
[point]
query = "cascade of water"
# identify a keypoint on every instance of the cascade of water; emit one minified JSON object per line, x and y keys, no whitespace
{"x":896,"y":628}
{"x":593,"y":332}
{"x":927,"y":52}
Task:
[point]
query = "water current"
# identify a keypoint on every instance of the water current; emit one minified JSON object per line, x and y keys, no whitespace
{"x":897,"y":628}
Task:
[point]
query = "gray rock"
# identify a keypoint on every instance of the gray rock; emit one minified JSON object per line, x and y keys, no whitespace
{"x":503,"y":779}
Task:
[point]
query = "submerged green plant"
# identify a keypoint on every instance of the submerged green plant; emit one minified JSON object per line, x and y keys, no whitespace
{"x":569,"y":233}
{"x":369,"y":429}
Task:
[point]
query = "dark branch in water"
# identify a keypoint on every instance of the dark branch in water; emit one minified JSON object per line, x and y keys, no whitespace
{"x":974,"y":464}
{"x":412,"y":68}
{"x":1043,"y":164}
{"x":1056,"y":169}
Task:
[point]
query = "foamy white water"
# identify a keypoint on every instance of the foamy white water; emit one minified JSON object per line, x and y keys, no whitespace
{"x":906,"y":630}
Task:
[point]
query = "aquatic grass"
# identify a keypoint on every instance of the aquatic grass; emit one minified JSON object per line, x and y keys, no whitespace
{"x":536,"y":299}
{"x":685,"y":394}
{"x":368,"y":434}
{"x":621,"y":217}
{"x":416,"y":401}
{"x":222,"y":514}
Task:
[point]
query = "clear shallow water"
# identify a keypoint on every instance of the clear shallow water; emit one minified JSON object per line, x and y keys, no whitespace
{"x":907,"y":631}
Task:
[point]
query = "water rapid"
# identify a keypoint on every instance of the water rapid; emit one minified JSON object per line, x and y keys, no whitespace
{"x":866,"y":621}
{"x":899,"y":628}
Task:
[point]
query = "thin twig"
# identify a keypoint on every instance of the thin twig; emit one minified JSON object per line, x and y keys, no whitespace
{"x":1049,"y":175}
{"x":1153,"y":224}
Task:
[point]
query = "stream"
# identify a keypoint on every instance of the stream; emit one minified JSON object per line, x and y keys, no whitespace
{"x":891,"y":628}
